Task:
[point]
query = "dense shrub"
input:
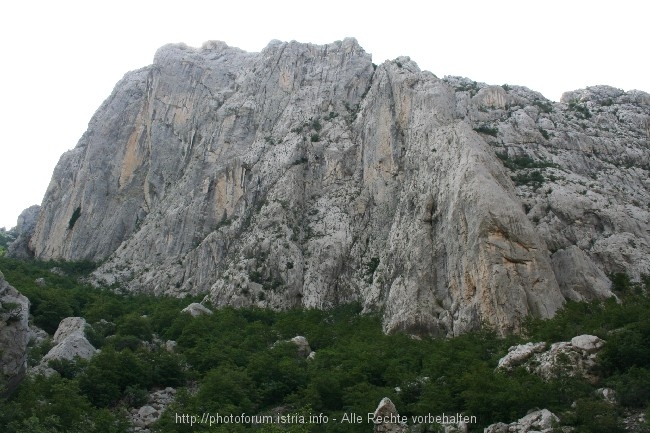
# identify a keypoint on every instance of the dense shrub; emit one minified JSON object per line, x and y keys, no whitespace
{"x":485,"y":129}
{"x":240,"y":361}
{"x":523,"y":162}
{"x":543,"y":106}
{"x":632,"y":387}
{"x":594,"y":416}
{"x":581,"y":110}
{"x":6,"y":237}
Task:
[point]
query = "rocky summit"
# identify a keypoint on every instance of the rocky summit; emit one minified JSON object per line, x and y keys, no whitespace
{"x":306,"y":175}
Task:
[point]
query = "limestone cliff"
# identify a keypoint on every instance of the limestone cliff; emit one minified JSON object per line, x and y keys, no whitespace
{"x":306,"y":175}
{"x":14,"y":336}
{"x":24,"y":230}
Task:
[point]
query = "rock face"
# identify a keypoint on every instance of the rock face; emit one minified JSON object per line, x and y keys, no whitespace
{"x":14,"y":337}
{"x":305,"y":175}
{"x":26,"y":223}
{"x":36,"y":335}
{"x":579,"y":277}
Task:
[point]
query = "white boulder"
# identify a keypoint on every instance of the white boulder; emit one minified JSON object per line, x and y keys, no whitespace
{"x":195,"y":309}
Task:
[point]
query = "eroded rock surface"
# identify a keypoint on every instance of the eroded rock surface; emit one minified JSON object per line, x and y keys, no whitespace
{"x":24,"y":229}
{"x":195,"y":309}
{"x":14,"y":337}
{"x":387,"y":420}
{"x":303,"y":345}
{"x":69,"y":342}
{"x":539,"y":421}
{"x":562,"y":359}
{"x":519,"y":354}
{"x":143,"y":417}
{"x":304,"y":175}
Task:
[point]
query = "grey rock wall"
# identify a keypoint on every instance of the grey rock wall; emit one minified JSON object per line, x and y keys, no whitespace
{"x":306,"y":175}
{"x":14,"y":336}
{"x":24,"y":229}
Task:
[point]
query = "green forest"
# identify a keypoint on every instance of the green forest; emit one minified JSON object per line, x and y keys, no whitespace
{"x":239,"y":361}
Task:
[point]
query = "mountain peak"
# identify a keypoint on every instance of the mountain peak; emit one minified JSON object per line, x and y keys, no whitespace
{"x":304,"y":175}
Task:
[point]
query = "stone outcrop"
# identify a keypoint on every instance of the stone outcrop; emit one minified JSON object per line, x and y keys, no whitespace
{"x":24,"y":229}
{"x":607,"y":394}
{"x":539,"y":421}
{"x":574,"y":358}
{"x":588,"y":344}
{"x":386,"y":418}
{"x":36,"y":335}
{"x":143,"y":417}
{"x":519,"y":354}
{"x":303,"y":346}
{"x":70,"y":342}
{"x":14,"y":337}
{"x":195,"y":309}
{"x":304,"y":175}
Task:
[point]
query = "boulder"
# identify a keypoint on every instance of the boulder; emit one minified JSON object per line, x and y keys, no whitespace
{"x":459,"y":427}
{"x":519,"y":354}
{"x":57,"y":271}
{"x":157,"y":402}
{"x":607,"y":394}
{"x":539,"y":421}
{"x":587,"y":343}
{"x":69,"y":342}
{"x":170,"y":346}
{"x":146,"y":416}
{"x":195,"y":309}
{"x":387,"y":420}
{"x":303,"y":345}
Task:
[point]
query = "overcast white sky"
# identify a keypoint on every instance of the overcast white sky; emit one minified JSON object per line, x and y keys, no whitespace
{"x":61,"y":59}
